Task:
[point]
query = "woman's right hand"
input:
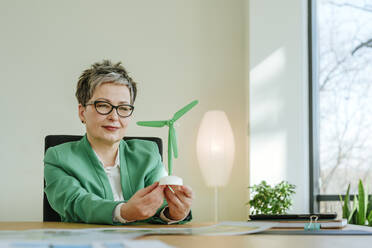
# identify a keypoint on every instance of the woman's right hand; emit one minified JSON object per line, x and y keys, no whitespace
{"x":144,"y":203}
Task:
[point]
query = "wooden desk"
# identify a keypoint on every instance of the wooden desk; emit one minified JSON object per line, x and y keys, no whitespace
{"x":253,"y":240}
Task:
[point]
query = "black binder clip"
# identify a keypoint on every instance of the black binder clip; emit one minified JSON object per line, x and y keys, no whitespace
{"x":312,"y":225}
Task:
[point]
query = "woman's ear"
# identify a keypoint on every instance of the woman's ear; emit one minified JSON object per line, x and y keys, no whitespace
{"x":81,"y":110}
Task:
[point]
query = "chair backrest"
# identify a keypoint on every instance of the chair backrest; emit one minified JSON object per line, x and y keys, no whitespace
{"x":52,"y":140}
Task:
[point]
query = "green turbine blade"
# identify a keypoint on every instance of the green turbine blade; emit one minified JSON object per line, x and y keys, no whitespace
{"x":173,"y":140}
{"x":152,"y":123}
{"x":184,"y":110}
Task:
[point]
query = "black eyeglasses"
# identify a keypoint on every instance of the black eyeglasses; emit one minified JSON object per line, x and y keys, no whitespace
{"x":105,"y":108}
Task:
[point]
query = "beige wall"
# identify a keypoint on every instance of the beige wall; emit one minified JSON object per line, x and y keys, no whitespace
{"x":177,"y":51}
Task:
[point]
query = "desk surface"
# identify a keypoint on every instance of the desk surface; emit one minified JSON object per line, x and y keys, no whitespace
{"x":253,"y":240}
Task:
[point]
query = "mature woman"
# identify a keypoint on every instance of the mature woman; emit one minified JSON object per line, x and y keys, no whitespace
{"x":102,"y":178}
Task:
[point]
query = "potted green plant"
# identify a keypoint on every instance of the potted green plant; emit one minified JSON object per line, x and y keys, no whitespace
{"x":271,"y":200}
{"x":360,"y":211}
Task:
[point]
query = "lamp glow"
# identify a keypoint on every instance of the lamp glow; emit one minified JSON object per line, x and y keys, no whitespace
{"x":215,"y":148}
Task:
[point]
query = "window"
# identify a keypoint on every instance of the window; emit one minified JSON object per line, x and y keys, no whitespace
{"x":341,"y":99}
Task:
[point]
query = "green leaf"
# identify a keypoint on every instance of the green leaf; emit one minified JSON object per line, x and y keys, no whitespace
{"x":369,"y":218}
{"x":362,"y":207}
{"x":369,"y":205}
{"x":345,"y":207}
{"x":351,"y":219}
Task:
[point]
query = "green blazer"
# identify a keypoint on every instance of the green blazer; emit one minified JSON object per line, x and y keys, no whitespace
{"x":77,"y":186}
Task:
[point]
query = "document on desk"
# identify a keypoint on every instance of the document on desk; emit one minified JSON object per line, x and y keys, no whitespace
{"x":131,"y":232}
{"x":66,"y":234}
{"x":222,"y":228}
{"x":232,"y":228}
{"x":118,"y":237}
{"x":111,"y":244}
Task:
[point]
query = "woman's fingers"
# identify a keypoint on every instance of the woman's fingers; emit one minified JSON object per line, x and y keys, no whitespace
{"x":187,"y":191}
{"x":146,"y":201}
{"x":172,"y":198}
{"x":184,"y":193}
{"x":148,"y":189}
{"x":157,"y":192}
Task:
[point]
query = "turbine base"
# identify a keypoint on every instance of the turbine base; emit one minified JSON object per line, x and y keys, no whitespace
{"x":170,"y":180}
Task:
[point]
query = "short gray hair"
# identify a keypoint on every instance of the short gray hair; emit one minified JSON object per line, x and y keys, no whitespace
{"x":100,"y":73}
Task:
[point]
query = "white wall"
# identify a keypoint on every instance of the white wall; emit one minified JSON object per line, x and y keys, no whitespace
{"x":177,"y":51}
{"x":278,"y":95}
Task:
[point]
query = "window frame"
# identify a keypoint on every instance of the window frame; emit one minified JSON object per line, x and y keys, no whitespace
{"x":314,"y":162}
{"x":313,"y":109}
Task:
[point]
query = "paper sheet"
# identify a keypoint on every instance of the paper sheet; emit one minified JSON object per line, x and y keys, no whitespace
{"x":104,"y":237}
{"x":222,"y":228}
{"x":111,"y":244}
{"x":67,"y":234}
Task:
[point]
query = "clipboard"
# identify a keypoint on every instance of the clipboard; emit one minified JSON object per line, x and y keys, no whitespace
{"x":327,"y":216}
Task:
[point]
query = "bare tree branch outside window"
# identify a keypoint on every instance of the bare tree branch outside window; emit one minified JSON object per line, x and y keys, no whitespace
{"x":345,"y":93}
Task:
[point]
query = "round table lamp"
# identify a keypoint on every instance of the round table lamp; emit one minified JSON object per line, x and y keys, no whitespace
{"x":215,"y":151}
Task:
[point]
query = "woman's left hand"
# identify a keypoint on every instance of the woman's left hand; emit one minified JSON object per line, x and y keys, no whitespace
{"x":179,"y":202}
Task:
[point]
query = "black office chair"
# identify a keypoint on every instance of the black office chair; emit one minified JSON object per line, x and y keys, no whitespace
{"x":52,"y":140}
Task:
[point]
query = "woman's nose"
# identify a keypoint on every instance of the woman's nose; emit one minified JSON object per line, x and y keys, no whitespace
{"x":114,"y":114}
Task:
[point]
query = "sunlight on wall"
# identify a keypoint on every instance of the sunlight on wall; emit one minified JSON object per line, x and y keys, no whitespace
{"x":268,"y":160}
{"x":278,"y":95}
{"x":267,"y":111}
{"x":268,"y":69}
{"x":268,"y":155}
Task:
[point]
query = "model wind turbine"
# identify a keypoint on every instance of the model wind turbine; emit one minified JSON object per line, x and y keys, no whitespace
{"x":172,"y":141}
